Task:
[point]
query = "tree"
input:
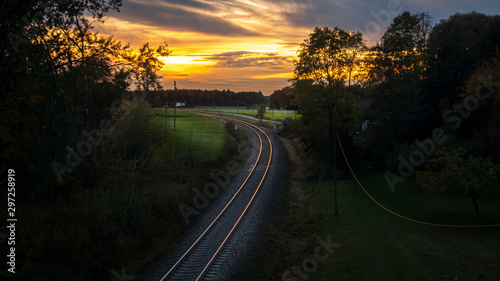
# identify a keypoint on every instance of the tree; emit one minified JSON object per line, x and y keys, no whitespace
{"x":146,"y":64}
{"x":281,"y":98}
{"x":396,"y":74}
{"x":458,"y":173}
{"x":322,"y":76}
{"x":135,"y":131}
{"x":329,"y":56}
{"x":403,"y":49}
{"x":60,"y":80}
{"x":41,"y":111}
{"x":261,"y":111}
{"x":456,"y":47}
{"x":481,"y":98}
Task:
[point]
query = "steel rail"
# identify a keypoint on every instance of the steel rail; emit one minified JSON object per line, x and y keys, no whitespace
{"x":223,"y":211}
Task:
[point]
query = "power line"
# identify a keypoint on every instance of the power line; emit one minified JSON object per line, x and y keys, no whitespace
{"x":175,"y":102}
{"x":401,"y":216}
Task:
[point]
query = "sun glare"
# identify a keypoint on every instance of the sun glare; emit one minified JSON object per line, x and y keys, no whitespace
{"x":186,"y":60}
{"x":182,"y":66}
{"x":287,"y":75}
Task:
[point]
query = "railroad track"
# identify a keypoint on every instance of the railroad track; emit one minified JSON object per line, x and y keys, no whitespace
{"x":206,"y":255}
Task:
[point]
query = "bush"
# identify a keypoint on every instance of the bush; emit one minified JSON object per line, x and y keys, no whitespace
{"x":292,"y":127}
{"x":261,"y":111}
{"x":134,"y":132}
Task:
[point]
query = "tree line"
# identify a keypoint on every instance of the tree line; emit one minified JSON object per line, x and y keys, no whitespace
{"x":60,"y":78}
{"x":405,"y":85}
{"x":192,"y":98}
{"x":425,"y":91}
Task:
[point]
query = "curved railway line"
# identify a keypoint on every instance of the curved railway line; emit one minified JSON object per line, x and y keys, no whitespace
{"x":204,"y":258}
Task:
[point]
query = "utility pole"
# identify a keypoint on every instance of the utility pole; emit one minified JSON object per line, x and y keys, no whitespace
{"x":175,"y":101}
{"x":335,"y":170}
{"x":166,"y":117}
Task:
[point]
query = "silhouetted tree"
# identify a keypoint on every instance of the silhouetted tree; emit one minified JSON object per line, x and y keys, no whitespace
{"x":320,"y":84}
{"x":281,"y":98}
{"x":457,"y":46}
{"x":396,"y":74}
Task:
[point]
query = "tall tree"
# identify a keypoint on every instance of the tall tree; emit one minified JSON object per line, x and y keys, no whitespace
{"x":147,"y":63}
{"x":321,"y":81}
{"x":457,"y":46}
{"x":403,"y":48}
{"x":396,"y":74}
{"x":281,"y":98}
{"x":481,"y":101}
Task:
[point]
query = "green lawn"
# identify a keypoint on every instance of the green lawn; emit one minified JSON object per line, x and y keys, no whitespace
{"x":202,"y":136}
{"x":375,"y":245}
{"x":276,"y":115}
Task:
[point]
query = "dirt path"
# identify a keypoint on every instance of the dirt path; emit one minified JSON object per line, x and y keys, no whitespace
{"x":299,"y":235}
{"x":298,"y":184}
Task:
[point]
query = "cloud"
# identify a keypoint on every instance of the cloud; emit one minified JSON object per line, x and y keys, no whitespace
{"x":233,"y":42}
{"x":444,"y":9}
{"x":192,"y":4}
{"x":348,"y":14}
{"x":345,"y":14}
{"x":272,"y":18}
{"x":243,"y":59}
{"x":180,"y":16}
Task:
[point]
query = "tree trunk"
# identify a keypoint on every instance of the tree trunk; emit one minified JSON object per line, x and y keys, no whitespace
{"x":331,"y":136}
{"x":476,"y":207}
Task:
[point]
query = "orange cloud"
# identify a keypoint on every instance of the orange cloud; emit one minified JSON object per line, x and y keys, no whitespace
{"x":243,"y":45}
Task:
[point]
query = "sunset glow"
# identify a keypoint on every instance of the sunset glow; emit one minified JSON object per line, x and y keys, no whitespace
{"x":241,"y":44}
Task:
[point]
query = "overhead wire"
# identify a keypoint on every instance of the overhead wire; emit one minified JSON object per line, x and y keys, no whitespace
{"x":399,"y":215}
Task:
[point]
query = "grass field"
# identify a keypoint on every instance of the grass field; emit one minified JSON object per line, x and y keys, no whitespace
{"x":375,"y":245}
{"x":275,"y":115}
{"x":202,"y":136}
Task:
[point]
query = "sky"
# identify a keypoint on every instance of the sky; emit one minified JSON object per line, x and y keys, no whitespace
{"x":250,"y":45}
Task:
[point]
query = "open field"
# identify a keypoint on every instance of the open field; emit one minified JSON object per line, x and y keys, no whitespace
{"x":202,"y":136}
{"x":376,"y":245}
{"x":273,"y":115}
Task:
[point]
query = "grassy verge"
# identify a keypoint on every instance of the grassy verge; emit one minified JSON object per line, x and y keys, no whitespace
{"x":276,"y":115}
{"x":376,"y":245}
{"x":195,"y":134}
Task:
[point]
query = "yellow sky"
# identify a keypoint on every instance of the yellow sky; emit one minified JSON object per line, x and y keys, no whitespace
{"x":258,"y":62}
